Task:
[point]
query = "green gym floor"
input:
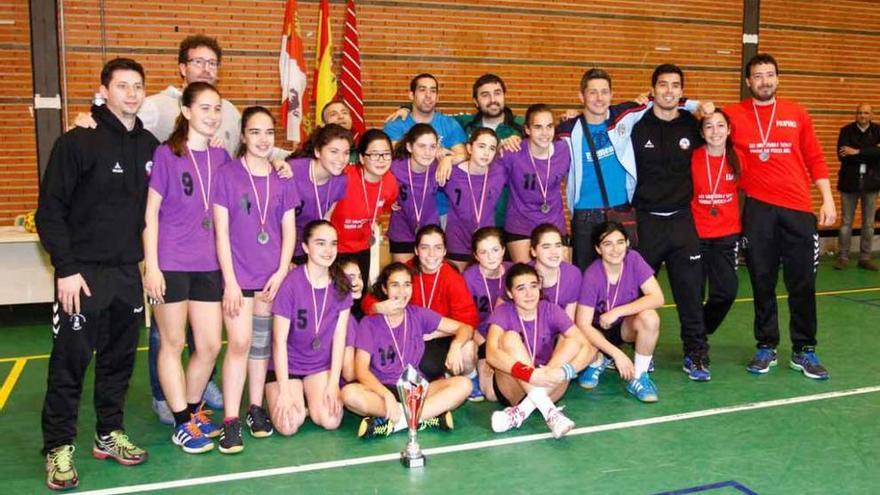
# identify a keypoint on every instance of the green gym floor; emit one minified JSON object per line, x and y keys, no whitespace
{"x":780,"y":433}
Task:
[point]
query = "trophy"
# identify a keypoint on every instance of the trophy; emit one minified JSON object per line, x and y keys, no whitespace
{"x":412,"y":388}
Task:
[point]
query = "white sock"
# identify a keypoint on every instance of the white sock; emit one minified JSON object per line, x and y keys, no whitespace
{"x":542,"y":401}
{"x":642,"y":363}
{"x":599,"y":359}
{"x":401,"y":423}
{"x":473,"y":374}
{"x":526,"y":407}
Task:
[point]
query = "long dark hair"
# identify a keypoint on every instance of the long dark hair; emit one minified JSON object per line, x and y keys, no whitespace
{"x":177,"y":140}
{"x":516,"y":270}
{"x":732,"y":159}
{"x":337,"y":276}
{"x":321,"y":137}
{"x":378,"y":288}
{"x":411,"y":137}
{"x":245,"y":118}
{"x":422,"y":232}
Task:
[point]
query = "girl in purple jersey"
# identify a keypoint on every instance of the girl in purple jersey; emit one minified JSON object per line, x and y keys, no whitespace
{"x":485,"y":280}
{"x":473,"y":190}
{"x":387,"y":344}
{"x":182,"y":275}
{"x":531,"y":345}
{"x":319,"y":178}
{"x":617,"y":304}
{"x":308,"y":342}
{"x":560,"y":280}
{"x":255,"y":228}
{"x":414,"y":168}
{"x":535,"y":175}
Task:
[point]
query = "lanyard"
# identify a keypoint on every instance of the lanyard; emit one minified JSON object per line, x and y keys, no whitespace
{"x":430,"y":300}
{"x":541,"y":185}
{"x":263,"y":211}
{"x":477,"y":212}
{"x":367,"y":200}
{"x":315,"y":188}
{"x":319,"y":317}
{"x":533,"y":349}
{"x":394,"y":339}
{"x":489,"y":294}
{"x":206,"y":193}
{"x":610,"y":303}
{"x":421,"y":207}
{"x":714,"y":188}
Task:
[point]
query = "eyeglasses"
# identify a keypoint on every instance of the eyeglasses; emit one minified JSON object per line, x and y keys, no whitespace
{"x":202,"y":62}
{"x":379,"y":157}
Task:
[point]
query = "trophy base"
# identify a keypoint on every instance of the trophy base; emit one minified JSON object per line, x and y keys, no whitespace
{"x":412,"y":462}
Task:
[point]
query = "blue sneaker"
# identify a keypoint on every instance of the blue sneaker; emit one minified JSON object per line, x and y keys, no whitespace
{"x":589,"y":378}
{"x":190,"y":438}
{"x":643,"y":388}
{"x":807,"y":362}
{"x":696,"y":369}
{"x":763,"y":360}
{"x":476,"y":393}
{"x":213,"y":397}
{"x":208,"y":427}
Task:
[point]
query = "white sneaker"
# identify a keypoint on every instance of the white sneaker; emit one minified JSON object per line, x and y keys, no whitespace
{"x":506,"y":419}
{"x":559,"y":423}
{"x":160,"y":407}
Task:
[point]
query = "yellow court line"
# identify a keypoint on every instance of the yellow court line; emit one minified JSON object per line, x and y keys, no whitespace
{"x":9,"y":384}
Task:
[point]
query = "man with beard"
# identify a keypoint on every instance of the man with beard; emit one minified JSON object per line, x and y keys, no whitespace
{"x":782,"y":158}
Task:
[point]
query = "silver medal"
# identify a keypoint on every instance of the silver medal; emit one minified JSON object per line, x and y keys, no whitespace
{"x":263,"y":237}
{"x":316,"y":343}
{"x":206,"y":223}
{"x":545,"y":208}
{"x":764,"y":156}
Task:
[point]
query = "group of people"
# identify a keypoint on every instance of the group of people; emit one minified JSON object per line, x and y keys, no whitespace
{"x":284,"y":253}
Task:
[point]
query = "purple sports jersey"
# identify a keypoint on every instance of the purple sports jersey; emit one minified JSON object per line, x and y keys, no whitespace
{"x":375,"y":337}
{"x":294,"y":302}
{"x":185,"y":245}
{"x":486,"y":302}
{"x":596,"y":293}
{"x":252,"y":262}
{"x":552,"y":322}
{"x":352,"y":332}
{"x":307,"y":210}
{"x":526,"y":197}
{"x":403,"y":224}
{"x":463,"y":196}
{"x":567,"y":287}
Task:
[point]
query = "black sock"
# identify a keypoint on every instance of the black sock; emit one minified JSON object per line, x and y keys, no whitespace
{"x":194,"y":408}
{"x":181,"y":417}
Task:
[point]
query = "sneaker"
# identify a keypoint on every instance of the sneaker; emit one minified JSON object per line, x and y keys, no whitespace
{"x":589,"y":378}
{"x":119,"y":447}
{"x":696,"y":369}
{"x":807,"y":362}
{"x":643,"y":388}
{"x":476,"y":393}
{"x":160,"y":407}
{"x":763,"y":360}
{"x":230,"y":440}
{"x":507,"y":419}
{"x":208,"y":427}
{"x":213,"y":397}
{"x":375,"y":427}
{"x":840,"y":264}
{"x":868,"y":265}
{"x":559,"y":423}
{"x":190,"y":438}
{"x":259,"y":423}
{"x":60,"y":471}
{"x":443,"y":422}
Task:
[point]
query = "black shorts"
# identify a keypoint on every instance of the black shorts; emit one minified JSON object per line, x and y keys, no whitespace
{"x":481,"y":351}
{"x":193,"y":286}
{"x":466,"y":258}
{"x":502,"y":399}
{"x":511,"y":237}
{"x":402,"y":247}
{"x":250,"y":292}
{"x":271,"y":377}
{"x":614,"y":334}
{"x":433,"y":363}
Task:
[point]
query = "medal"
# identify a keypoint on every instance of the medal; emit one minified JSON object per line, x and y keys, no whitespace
{"x":206,"y":193}
{"x":765,"y":153}
{"x":262,"y":210}
{"x":416,"y":208}
{"x":316,"y":343}
{"x":397,"y":348}
{"x":206,"y":223}
{"x":319,"y":317}
{"x":545,"y":208}
{"x":713,"y":188}
{"x":313,"y":180}
{"x":478,"y":211}
{"x":367,"y":204}
{"x":764,"y":156}
{"x":713,"y":211}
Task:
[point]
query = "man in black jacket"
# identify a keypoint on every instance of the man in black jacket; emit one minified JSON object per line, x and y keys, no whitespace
{"x":859,"y":179}
{"x":90,"y":218}
{"x":663,"y":141}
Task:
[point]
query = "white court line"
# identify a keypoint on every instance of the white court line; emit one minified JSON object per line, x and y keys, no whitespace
{"x":318,"y":466}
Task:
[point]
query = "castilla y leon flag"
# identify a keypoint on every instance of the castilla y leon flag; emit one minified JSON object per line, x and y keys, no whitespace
{"x":325,"y":81}
{"x":292,"y":64}
{"x":350,"y":90}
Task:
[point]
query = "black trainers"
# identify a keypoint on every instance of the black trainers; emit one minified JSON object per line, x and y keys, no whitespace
{"x":443,"y":422}
{"x":764,"y":358}
{"x":117,"y":446}
{"x":259,"y":423}
{"x":230,"y":439}
{"x":807,"y":362}
{"x":371,"y":427}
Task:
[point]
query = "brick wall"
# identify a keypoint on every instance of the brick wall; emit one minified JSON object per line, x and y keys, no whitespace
{"x":539,"y":48}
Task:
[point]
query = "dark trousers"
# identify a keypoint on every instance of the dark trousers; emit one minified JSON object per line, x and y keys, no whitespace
{"x":772,"y":234}
{"x":582,"y":224}
{"x":719,"y":278}
{"x":673,"y":240}
{"x":108,"y":326}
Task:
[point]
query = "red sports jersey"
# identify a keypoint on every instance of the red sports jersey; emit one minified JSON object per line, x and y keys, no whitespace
{"x":354,"y":213}
{"x":715,"y":190}
{"x":795,"y":157}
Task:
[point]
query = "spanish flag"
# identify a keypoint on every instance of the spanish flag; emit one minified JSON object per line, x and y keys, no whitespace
{"x":325,"y":81}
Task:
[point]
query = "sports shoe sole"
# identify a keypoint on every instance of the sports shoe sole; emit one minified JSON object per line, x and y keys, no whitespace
{"x":235,"y":449}
{"x":762,"y":370}
{"x":261,"y":434}
{"x":103,"y":454}
{"x":189,"y":450}
{"x":70,"y":485}
{"x":694,"y":378}
{"x":806,"y":373}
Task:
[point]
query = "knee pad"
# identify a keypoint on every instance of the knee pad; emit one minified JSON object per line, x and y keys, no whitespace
{"x":261,"y":338}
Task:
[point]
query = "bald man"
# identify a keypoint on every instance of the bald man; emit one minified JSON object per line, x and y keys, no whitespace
{"x":858,"y":180}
